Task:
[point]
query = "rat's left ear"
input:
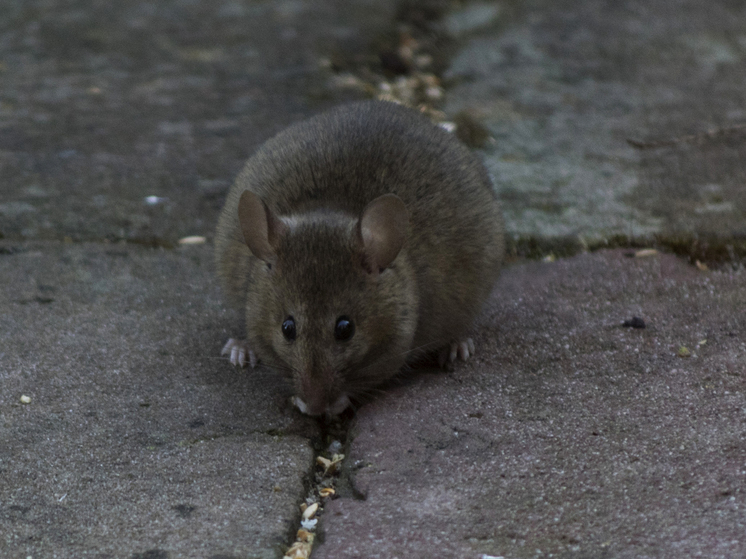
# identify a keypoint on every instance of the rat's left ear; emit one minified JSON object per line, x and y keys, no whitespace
{"x":260,"y":227}
{"x":382,"y":229}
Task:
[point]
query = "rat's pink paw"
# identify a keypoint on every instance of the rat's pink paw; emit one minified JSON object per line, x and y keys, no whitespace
{"x":239,"y":351}
{"x":457,"y":350}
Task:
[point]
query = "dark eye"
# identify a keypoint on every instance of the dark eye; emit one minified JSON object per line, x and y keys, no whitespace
{"x":288,"y":328}
{"x":344,"y":329}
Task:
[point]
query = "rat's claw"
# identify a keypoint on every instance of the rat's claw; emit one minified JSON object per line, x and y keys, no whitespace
{"x":238,"y":350}
{"x":238,"y":355}
{"x":454,"y":352}
{"x":457,"y":350}
{"x":466,"y":349}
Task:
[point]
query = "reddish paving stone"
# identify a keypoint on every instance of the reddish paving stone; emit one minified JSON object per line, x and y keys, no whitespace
{"x":567,"y":435}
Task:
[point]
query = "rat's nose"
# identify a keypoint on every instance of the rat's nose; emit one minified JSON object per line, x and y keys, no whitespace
{"x":339,"y":405}
{"x":320,"y":408}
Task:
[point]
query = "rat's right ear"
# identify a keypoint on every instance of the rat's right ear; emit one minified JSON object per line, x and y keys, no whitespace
{"x":260,"y":227}
{"x":382,"y":228}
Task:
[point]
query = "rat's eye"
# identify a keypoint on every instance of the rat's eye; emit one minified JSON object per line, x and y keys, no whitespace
{"x":288,"y":328}
{"x":344,"y":329}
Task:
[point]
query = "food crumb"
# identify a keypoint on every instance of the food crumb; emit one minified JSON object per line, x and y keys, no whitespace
{"x":192,"y":240}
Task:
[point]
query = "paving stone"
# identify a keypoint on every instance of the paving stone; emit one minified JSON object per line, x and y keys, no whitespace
{"x":561,"y":87}
{"x":568,"y":435}
{"x":106,"y":104}
{"x":138,"y":436}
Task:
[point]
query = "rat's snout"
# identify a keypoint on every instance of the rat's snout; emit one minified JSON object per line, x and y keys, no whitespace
{"x":315,"y":400}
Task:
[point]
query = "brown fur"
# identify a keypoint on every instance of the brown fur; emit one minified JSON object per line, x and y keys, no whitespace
{"x":318,"y":176}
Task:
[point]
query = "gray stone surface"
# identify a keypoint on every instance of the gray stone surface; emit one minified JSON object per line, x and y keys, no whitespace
{"x":568,"y":435}
{"x":562,"y":85}
{"x":105,"y":104}
{"x":138,"y":436}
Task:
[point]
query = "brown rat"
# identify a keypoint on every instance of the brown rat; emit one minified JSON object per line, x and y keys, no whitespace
{"x":356,"y":241}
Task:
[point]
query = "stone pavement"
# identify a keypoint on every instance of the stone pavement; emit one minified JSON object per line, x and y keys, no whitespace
{"x":568,"y":435}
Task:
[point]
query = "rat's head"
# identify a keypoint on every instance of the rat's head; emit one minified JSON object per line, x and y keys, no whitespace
{"x":330,"y":304}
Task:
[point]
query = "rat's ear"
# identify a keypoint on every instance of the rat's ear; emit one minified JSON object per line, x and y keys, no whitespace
{"x":382,"y":229}
{"x":260,"y":227}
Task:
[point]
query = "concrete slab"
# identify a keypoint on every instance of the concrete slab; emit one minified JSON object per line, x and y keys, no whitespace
{"x":562,"y":86}
{"x":568,"y":435}
{"x":138,"y":438}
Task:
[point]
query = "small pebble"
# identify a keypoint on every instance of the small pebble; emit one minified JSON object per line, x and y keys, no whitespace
{"x":25,"y":399}
{"x":334,"y":447}
{"x":448,"y":126}
{"x":635,"y":322}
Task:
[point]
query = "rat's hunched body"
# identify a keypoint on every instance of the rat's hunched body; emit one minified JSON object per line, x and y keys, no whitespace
{"x":356,"y":241}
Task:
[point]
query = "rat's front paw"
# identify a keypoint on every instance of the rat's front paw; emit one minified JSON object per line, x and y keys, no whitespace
{"x":462,"y":349}
{"x":239,"y":350}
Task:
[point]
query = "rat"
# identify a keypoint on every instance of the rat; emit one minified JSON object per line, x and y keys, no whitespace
{"x":358,"y":241}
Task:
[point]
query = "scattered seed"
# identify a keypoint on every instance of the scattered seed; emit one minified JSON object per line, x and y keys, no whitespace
{"x":700,"y":266}
{"x":646,"y":252}
{"x":326,"y":492}
{"x":299,"y":550}
{"x":304,"y":536}
{"x":434,"y":93}
{"x":310,"y":511}
{"x":423,"y":61}
{"x":193,"y":240}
